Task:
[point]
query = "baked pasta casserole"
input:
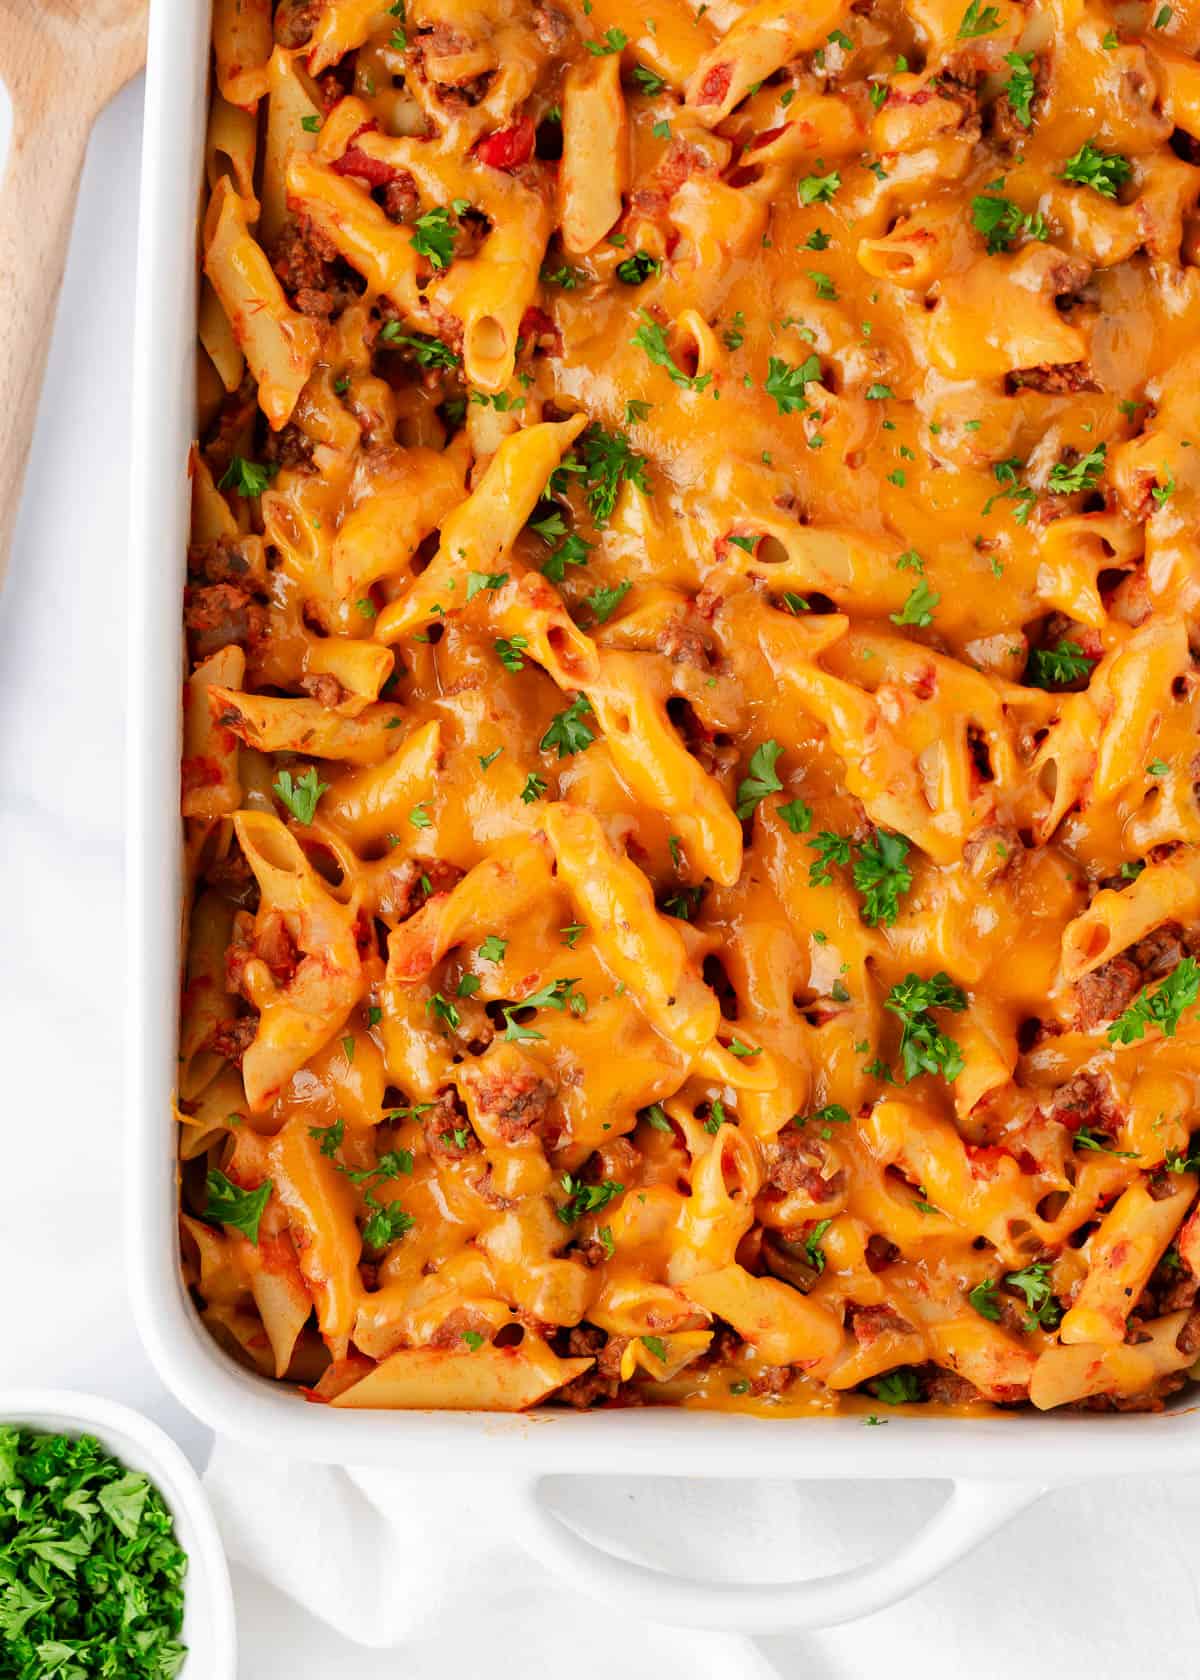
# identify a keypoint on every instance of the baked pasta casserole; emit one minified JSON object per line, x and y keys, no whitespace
{"x":690,"y":734}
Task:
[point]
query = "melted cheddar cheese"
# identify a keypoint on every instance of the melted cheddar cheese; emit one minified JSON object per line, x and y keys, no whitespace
{"x":691,"y":730}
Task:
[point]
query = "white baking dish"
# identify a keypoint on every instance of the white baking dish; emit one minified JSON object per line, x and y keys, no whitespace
{"x":998,"y":1465}
{"x":208,"y":1625}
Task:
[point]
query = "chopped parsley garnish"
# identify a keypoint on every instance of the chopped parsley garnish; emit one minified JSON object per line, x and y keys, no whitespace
{"x":564,"y":276}
{"x":818,"y":189}
{"x":881,"y":875}
{"x":607,"y":461}
{"x":813,"y":1252}
{"x":918,"y":609}
{"x":832,"y":1113}
{"x":533,"y":790}
{"x":585,"y":1198}
{"x":1160,"y":1007}
{"x":301,"y":795}
{"x":797,"y":815}
{"x":434,"y":234}
{"x":786,"y":382}
{"x":640,"y":266}
{"x":978,"y":20}
{"x":1001,"y":221}
{"x":91,"y":1573}
{"x":429,"y":352}
{"x":311,"y":124}
{"x":760,"y":779}
{"x":1162,"y":493}
{"x":650,"y":82}
{"x":655,"y":1117}
{"x":1083,"y":474}
{"x":329,"y":1138}
{"x":388,"y":1221}
{"x":493,"y":948}
{"x":830,"y":849}
{"x":443,"y":1010}
{"x":612,"y":42}
{"x":984,"y":1298}
{"x":897,"y":1388}
{"x":923,"y":1048}
{"x":824,"y":283}
{"x":248,"y":478}
{"x":1021,"y":87}
{"x":568,"y":732}
{"x":477,"y":581}
{"x":605,"y":601}
{"x":1065,"y":662}
{"x":818,"y":240}
{"x":1085,"y":1138}
{"x":1034,"y":1284}
{"x":879,"y":393}
{"x":652,"y":338}
{"x":510,"y":651}
{"x":228,"y":1204}
{"x":1104,"y":172}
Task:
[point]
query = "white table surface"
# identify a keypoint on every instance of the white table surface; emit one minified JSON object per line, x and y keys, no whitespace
{"x":1096,"y":1579}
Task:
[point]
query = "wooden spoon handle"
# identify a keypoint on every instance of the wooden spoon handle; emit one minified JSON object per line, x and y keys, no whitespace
{"x":37,"y":203}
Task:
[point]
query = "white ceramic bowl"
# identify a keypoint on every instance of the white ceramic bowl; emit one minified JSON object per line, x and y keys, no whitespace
{"x":208,"y":1625}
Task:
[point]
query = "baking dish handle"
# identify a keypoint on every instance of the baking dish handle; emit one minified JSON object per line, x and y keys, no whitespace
{"x":974,"y":1510}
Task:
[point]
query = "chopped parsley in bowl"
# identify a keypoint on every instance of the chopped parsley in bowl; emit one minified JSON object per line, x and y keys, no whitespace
{"x":91,"y":1572}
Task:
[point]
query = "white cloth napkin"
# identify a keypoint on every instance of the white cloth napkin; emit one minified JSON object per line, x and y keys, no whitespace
{"x":391,"y":1559}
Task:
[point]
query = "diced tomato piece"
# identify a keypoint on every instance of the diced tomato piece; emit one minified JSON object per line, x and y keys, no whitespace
{"x":372,"y":170}
{"x":508,"y":148}
{"x":716,"y":84}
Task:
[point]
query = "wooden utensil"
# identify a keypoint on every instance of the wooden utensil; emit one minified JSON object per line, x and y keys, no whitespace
{"x":62,"y":61}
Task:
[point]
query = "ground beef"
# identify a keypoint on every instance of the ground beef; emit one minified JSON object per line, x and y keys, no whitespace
{"x":447,"y":1130}
{"x":603,"y":1381}
{"x":225,"y":436}
{"x":1000,"y":120}
{"x":310,"y":271}
{"x":1151,"y":1400}
{"x":222,"y":615}
{"x":773,"y":1380}
{"x":290,"y":448}
{"x":551,"y":26}
{"x":992,"y":850}
{"x":295,"y":21}
{"x":1087,"y":1100}
{"x":1054,"y":379}
{"x":869,"y":1323}
{"x":880,"y":1252}
{"x":513,"y":1102}
{"x":947,"y":1388}
{"x":233,"y":1038}
{"x":219,"y":561}
{"x":276,"y":947}
{"x":1158,"y":952}
{"x":325,"y":689}
{"x":793,"y":1164}
{"x":462,"y":1321}
{"x":400,"y":199}
{"x":1103,"y":994}
{"x":402,"y":890}
{"x":682,"y":641}
{"x":233,"y":876}
{"x":492,"y":1196}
